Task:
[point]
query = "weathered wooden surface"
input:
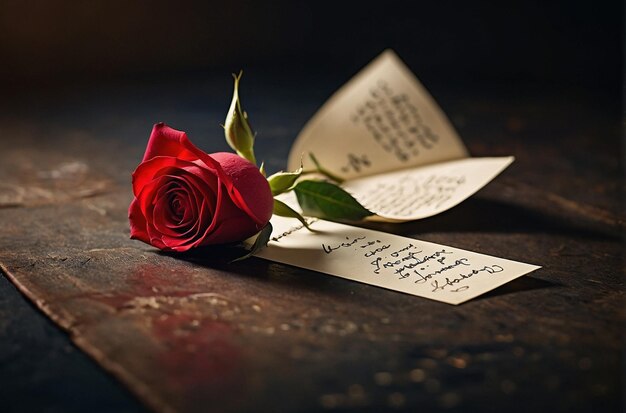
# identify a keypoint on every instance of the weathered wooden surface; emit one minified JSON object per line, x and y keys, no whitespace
{"x":193,"y":333}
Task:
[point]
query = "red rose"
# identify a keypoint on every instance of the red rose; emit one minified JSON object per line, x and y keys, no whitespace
{"x":185,"y":198}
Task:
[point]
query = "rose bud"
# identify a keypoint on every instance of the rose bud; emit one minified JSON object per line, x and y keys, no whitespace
{"x":185,"y":198}
{"x":237,"y":129}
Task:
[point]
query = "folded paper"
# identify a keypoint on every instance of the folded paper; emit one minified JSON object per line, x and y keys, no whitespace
{"x":402,"y":160}
{"x":383,"y":129}
{"x":416,"y":193}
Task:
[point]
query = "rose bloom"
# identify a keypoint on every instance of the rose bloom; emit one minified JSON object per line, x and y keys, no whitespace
{"x":185,"y":198}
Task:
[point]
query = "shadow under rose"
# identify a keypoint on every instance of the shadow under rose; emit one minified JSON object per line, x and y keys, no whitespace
{"x":220,"y":257}
{"x":296,"y":278}
{"x":475,"y":215}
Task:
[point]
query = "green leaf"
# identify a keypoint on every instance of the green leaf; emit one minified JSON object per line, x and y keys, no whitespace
{"x":283,"y":210}
{"x":283,"y":181}
{"x":326,"y":200}
{"x":237,"y":129}
{"x":261,"y":242}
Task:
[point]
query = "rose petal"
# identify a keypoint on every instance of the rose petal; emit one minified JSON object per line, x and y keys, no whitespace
{"x":183,"y":213}
{"x":173,"y":236}
{"x":185,"y":198}
{"x":231,"y":224}
{"x":165,"y":141}
{"x":156,"y":167}
{"x":200,"y":193}
{"x":206,"y":186}
{"x":137,"y":222}
{"x":250,"y":191}
{"x":163,"y":219}
{"x":233,"y":229}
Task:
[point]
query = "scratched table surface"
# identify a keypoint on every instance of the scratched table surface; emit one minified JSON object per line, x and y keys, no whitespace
{"x":133,"y":329}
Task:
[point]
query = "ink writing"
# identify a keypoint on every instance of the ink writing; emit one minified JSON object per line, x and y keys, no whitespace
{"x":293,"y":229}
{"x":394,"y":122}
{"x":348,"y":243}
{"x":489,"y":269}
{"x":356,"y":163}
{"x":402,"y":196}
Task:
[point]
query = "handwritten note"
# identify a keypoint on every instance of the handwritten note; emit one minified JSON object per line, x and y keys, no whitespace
{"x":417,"y":193}
{"x":386,"y":135}
{"x":403,"y":161}
{"x":383,"y":119}
{"x":394,"y":122}
{"x":424,"y":269}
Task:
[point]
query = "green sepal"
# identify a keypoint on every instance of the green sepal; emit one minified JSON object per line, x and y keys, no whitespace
{"x":283,"y":181}
{"x":283,"y":210}
{"x":261,"y":242}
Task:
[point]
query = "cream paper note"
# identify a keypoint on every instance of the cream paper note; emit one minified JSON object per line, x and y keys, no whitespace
{"x":384,"y":133}
{"x":403,"y":161}
{"x":416,"y":193}
{"x":424,"y":269}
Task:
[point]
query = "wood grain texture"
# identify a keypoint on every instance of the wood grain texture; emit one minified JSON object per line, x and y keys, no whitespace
{"x":192,"y":333}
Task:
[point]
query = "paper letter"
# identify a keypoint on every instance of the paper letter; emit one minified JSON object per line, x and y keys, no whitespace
{"x":424,"y":269}
{"x":421,"y":192}
{"x":383,"y":119}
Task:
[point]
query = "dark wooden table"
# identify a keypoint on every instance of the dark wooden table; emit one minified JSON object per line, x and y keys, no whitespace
{"x":197,"y":334}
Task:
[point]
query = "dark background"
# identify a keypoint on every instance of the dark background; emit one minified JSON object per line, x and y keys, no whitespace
{"x":45,"y":42}
{"x":76,"y":63}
